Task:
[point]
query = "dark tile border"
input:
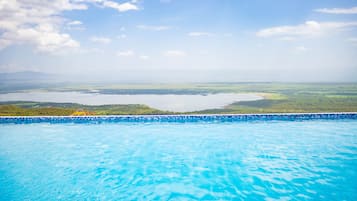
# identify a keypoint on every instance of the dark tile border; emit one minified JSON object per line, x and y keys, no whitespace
{"x":176,"y":118}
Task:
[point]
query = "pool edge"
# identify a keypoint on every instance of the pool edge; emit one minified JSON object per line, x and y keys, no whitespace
{"x":177,"y":118}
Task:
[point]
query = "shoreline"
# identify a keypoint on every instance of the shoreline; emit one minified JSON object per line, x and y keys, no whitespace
{"x":164,"y":102}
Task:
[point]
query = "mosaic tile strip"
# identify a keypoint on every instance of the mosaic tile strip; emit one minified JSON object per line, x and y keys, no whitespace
{"x":177,"y":118}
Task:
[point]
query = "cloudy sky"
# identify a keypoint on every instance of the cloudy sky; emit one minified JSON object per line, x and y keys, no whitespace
{"x":181,"y":40}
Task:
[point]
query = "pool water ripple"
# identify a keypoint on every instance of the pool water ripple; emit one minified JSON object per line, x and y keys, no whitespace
{"x":286,"y":160}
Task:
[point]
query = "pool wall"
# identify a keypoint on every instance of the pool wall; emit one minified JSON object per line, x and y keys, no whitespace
{"x":176,"y":118}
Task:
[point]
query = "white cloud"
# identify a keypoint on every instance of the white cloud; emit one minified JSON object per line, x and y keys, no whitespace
{"x":144,"y":57}
{"x":174,"y":53}
{"x":309,"y":28}
{"x":195,"y":34}
{"x":102,"y":40}
{"x":352,"y":10}
{"x":39,"y":23}
{"x":36,"y":23}
{"x":74,"y":23}
{"x":120,"y":7}
{"x":153,"y":28}
{"x":287,"y":38}
{"x":301,"y":48}
{"x":126,"y":53}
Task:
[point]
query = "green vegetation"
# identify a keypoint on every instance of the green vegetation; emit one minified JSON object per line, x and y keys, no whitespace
{"x":294,"y":98}
{"x":292,"y":104}
{"x":13,"y":110}
{"x":65,"y":109}
{"x":278,"y":98}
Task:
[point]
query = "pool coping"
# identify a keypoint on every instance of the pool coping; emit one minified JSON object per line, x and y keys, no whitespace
{"x":179,"y":118}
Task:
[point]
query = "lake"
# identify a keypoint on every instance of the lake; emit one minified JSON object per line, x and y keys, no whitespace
{"x":166,"y":102}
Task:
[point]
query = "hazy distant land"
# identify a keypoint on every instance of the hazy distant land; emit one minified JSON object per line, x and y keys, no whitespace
{"x":278,"y":97}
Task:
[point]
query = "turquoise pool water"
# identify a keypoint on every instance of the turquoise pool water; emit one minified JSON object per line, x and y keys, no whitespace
{"x":250,"y":160}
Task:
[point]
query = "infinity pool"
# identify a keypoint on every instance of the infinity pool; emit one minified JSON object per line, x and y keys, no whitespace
{"x":240,"y":160}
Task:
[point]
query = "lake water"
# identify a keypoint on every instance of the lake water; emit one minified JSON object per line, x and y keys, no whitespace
{"x":167,"y":102}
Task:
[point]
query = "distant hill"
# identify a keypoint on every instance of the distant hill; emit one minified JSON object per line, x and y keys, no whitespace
{"x":13,"y":82}
{"x":25,"y":76}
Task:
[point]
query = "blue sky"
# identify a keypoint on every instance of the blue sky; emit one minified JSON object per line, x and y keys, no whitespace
{"x":181,"y":40}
